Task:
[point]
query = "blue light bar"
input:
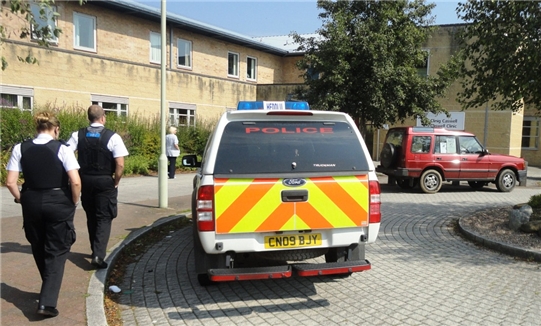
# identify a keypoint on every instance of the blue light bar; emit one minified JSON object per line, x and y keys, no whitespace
{"x":272,"y":105}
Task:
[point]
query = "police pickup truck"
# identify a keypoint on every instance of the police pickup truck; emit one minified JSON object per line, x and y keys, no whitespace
{"x":278,"y":185}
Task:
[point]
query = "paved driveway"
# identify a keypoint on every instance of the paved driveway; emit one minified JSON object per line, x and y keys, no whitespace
{"x":422,"y":274}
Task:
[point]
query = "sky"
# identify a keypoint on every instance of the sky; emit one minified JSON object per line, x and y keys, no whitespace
{"x":271,"y":17}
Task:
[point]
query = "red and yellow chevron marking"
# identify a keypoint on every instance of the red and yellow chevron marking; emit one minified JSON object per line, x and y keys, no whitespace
{"x":255,"y":205}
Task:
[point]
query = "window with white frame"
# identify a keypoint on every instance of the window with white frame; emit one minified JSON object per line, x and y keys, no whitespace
{"x":112,"y":104}
{"x":45,"y":23}
{"x":155,"y":47}
{"x":530,"y":132}
{"x":232,"y":64}
{"x":251,"y":68}
{"x":17,"y":97}
{"x":182,"y":114}
{"x":184,"y":58}
{"x":84,"y":32}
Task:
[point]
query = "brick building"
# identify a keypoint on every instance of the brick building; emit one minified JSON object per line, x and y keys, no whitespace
{"x":109,"y":53}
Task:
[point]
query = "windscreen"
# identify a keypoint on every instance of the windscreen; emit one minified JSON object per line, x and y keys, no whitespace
{"x":277,"y":147}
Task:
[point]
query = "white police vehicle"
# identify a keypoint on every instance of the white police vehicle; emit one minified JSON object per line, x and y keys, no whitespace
{"x":279,"y":184}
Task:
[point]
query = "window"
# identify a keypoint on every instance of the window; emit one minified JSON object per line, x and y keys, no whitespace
{"x":155,"y":47}
{"x":251,"y":68}
{"x":182,"y":114}
{"x":530,"y":132}
{"x":445,"y":145}
{"x":421,"y":144}
{"x":422,"y":69}
{"x":184,"y":53}
{"x":44,"y":23}
{"x":84,"y":32}
{"x":264,"y":153}
{"x":112,"y":104}
{"x":232,"y":64}
{"x":469,"y":145}
{"x":16,"y":97}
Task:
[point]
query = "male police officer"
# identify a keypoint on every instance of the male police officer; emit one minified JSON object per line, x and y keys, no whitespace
{"x":101,"y":157}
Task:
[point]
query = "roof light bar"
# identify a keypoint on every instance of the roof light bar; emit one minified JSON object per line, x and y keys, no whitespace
{"x":272,"y":105}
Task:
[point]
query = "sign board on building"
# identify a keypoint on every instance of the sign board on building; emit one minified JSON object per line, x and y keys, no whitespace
{"x":454,"y":122}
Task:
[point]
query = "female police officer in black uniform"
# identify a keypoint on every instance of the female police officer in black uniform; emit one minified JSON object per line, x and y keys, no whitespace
{"x":49,"y":196}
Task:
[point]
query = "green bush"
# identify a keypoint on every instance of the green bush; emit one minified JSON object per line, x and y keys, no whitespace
{"x":141,"y":135}
{"x":193,"y":140}
{"x":15,"y":127}
{"x":535,"y":201}
{"x":136,"y":164}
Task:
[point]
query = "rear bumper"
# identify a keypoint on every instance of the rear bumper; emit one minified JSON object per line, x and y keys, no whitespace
{"x":285,"y":271}
{"x":393,"y":172}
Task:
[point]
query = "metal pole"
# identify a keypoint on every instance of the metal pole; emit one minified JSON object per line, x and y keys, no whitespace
{"x":162,"y":163}
{"x":485,"y":131}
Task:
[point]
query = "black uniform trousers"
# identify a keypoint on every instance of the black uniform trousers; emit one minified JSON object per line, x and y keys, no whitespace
{"x":48,"y":226}
{"x":172,"y":166}
{"x":99,"y":198}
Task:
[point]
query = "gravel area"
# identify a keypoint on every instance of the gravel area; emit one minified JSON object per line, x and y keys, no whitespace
{"x":492,"y":224}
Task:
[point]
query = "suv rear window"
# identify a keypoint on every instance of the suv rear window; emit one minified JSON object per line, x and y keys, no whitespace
{"x":277,"y":147}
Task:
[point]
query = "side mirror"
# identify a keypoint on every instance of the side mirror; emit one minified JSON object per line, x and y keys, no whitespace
{"x":484,"y":152}
{"x":190,"y":161}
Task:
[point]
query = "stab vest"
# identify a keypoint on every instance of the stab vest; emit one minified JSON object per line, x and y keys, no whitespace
{"x":42,"y":168}
{"x":94,"y":157}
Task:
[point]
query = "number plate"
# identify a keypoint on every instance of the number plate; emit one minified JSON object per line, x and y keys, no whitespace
{"x":293,"y":240}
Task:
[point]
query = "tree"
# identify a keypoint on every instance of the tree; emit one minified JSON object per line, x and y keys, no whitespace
{"x":502,"y":54}
{"x":41,"y":24}
{"x":367,"y":54}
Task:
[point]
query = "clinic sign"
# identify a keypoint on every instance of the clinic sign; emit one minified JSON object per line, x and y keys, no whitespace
{"x":454,"y":122}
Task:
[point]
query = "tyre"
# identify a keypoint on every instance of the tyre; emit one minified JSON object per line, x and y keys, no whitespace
{"x":336,"y":255}
{"x":407,"y":183}
{"x":388,"y":155}
{"x":506,"y":181}
{"x":204,"y":280}
{"x":431,"y":181}
{"x":476,"y":184}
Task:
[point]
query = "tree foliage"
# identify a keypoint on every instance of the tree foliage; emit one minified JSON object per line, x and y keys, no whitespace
{"x":502,"y":54}
{"x":37,"y":27}
{"x":367,"y":54}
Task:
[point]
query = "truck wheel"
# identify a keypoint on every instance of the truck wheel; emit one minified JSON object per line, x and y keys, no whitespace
{"x":335,"y":255}
{"x":431,"y":181}
{"x":388,"y":154}
{"x":506,"y":181}
{"x":200,"y":258}
{"x":204,"y":280}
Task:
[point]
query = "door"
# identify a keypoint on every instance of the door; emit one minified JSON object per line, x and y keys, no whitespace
{"x":474,"y":164}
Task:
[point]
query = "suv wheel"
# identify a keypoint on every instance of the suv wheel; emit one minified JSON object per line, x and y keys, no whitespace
{"x":506,"y":181}
{"x":431,"y":181}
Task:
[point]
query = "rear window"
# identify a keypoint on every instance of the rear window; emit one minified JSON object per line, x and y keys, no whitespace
{"x":277,"y":147}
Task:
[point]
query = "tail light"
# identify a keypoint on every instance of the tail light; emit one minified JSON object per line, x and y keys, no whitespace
{"x":375,"y":202}
{"x":205,"y":208}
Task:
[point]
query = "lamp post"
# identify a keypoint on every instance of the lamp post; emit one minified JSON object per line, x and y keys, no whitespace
{"x":162,"y":162}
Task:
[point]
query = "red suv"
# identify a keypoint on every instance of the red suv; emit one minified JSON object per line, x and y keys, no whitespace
{"x":430,"y":156}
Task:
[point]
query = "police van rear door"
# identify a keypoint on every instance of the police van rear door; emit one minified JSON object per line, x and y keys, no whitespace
{"x":290,"y":175}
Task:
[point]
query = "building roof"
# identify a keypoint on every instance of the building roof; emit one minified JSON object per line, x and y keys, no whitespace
{"x":136,"y":9}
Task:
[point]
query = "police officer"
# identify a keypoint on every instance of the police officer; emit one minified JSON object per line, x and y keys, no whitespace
{"x":49,"y":196}
{"x":101,"y":155}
